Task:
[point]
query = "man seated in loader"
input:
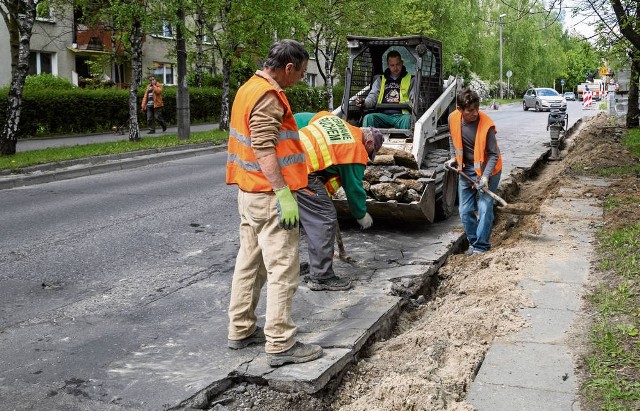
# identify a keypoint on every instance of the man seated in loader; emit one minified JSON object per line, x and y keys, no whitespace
{"x":336,"y":154}
{"x":394,"y":86}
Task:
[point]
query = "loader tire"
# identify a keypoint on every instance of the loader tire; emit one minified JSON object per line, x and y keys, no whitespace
{"x":446,"y":183}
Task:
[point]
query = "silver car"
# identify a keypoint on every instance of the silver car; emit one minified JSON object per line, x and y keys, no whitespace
{"x":543,"y":99}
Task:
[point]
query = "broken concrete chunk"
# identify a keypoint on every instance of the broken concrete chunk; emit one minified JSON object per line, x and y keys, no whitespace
{"x":383,"y":160}
{"x":388,"y":191}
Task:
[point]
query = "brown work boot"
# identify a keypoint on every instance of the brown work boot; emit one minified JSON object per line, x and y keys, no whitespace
{"x":297,"y":354}
{"x":257,"y":337}
{"x":334,"y":283}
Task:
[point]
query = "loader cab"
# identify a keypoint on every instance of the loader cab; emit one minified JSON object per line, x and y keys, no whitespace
{"x":368,"y":60}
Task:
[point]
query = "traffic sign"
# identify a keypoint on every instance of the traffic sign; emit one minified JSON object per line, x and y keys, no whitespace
{"x":509,"y":73}
{"x":562,"y":82}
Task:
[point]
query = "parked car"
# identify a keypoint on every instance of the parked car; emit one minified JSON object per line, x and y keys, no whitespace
{"x":543,"y":99}
{"x":569,"y":96}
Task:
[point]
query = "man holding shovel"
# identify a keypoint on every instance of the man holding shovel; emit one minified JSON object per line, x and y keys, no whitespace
{"x":475,"y":153}
{"x":336,"y":154}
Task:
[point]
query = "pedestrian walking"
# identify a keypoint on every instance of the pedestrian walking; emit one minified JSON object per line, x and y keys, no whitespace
{"x":152,"y":104}
{"x":266,"y":161}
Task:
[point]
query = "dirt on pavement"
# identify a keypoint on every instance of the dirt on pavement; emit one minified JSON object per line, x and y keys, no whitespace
{"x":436,"y":349}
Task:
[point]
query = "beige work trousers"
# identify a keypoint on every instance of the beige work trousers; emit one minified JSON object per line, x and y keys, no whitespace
{"x":268,"y":254}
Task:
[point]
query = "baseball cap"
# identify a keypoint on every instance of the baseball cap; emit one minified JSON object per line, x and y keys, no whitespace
{"x":374,"y":135}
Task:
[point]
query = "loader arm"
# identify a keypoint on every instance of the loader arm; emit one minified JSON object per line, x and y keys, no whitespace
{"x":426,"y":127}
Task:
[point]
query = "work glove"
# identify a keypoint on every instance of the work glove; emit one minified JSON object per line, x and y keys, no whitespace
{"x":365,"y":222}
{"x":452,"y":163}
{"x":482,"y":183}
{"x":287,"y":208}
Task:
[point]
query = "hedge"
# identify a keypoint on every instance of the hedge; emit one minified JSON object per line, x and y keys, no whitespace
{"x":78,"y":110}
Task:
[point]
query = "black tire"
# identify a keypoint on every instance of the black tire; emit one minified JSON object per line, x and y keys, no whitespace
{"x":524,"y":106}
{"x":538,"y":108}
{"x":446,"y":183}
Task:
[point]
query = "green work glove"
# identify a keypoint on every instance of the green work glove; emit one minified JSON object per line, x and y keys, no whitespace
{"x":287,"y":208}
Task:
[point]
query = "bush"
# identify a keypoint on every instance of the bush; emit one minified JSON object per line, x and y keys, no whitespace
{"x":47,"y":82}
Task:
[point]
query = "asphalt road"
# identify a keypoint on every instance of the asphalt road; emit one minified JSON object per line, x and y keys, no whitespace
{"x":91,"y":268}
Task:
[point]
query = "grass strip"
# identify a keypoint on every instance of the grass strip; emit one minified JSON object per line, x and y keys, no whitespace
{"x":55,"y":154}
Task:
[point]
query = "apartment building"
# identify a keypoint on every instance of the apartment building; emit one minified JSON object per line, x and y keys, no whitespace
{"x":61,"y":46}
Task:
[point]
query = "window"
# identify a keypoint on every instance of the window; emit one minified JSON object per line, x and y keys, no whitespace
{"x":43,"y":10}
{"x":163,"y":29}
{"x":41,"y":62}
{"x":311,"y":79}
{"x":163,"y":72}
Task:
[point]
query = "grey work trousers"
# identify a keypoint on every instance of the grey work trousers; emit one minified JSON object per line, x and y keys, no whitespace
{"x":319,"y":221}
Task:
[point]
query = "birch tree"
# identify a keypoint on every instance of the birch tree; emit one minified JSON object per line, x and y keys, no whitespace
{"x":19,"y":17}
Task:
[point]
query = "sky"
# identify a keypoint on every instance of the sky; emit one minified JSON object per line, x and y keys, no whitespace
{"x":579,"y":24}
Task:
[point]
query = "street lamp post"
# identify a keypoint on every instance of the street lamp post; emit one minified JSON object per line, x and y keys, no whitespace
{"x":500,"y":18}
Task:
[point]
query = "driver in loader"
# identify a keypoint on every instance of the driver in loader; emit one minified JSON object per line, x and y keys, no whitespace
{"x":336,"y":154}
{"x":395,"y":86}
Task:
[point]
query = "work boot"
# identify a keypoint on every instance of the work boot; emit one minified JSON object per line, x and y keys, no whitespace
{"x":164,"y":127}
{"x":334,"y":283}
{"x":297,"y":354}
{"x":257,"y":337}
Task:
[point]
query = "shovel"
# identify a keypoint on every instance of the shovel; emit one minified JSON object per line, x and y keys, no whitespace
{"x":519,"y":209}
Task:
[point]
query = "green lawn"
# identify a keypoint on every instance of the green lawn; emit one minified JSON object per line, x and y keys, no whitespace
{"x":55,"y":154}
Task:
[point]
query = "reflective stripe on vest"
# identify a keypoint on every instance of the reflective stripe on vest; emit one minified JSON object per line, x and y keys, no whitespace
{"x":243,"y":167}
{"x":328,"y":140}
{"x":405,"y":83}
{"x":333,"y":184}
{"x":479,"y":148}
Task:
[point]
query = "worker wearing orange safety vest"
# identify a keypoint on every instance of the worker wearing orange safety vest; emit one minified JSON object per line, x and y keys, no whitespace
{"x":475,"y":152}
{"x":336,"y":154}
{"x":266,"y":161}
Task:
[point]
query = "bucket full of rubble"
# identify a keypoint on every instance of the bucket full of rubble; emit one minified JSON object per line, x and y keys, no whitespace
{"x":399,"y":190}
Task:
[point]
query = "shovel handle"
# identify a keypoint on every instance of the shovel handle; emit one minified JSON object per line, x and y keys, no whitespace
{"x":484,"y":189}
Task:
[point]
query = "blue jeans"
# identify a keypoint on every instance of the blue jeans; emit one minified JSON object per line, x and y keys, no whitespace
{"x":476,"y":211}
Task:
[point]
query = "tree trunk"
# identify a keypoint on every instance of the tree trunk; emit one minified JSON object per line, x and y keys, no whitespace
{"x":24,"y":25}
{"x":633,"y":111}
{"x":182,"y":103}
{"x":136,"y":78}
{"x":226,"y":81}
{"x":199,"y":63}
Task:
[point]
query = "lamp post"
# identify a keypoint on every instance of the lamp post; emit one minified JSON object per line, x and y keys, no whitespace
{"x":500,"y":18}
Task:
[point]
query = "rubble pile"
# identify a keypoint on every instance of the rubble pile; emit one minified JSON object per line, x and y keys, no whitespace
{"x":394,"y":176}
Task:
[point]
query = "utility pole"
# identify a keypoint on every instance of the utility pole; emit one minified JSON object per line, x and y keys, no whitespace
{"x":500,"y":18}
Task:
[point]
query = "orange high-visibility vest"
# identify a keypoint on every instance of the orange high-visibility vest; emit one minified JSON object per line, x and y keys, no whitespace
{"x":328,"y":140}
{"x":479,"y":149}
{"x":243,"y":168}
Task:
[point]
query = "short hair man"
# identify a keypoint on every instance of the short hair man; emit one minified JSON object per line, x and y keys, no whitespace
{"x":337,"y":154}
{"x":152,"y":104}
{"x":266,"y":160}
{"x":475,"y":152}
{"x":394,"y":86}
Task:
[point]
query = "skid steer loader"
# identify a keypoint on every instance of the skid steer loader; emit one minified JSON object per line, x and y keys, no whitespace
{"x":428,"y":137}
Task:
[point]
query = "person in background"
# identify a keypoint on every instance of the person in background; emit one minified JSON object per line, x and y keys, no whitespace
{"x":474,"y":151}
{"x":336,"y":154}
{"x":152,"y":105}
{"x":395,"y":86}
{"x":266,"y":161}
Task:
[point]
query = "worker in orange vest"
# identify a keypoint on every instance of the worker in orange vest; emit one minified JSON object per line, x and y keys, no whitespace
{"x":337,"y":154}
{"x":267,"y":162}
{"x":474,"y":151}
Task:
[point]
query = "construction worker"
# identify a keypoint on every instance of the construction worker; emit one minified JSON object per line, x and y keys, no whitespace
{"x":475,"y":152}
{"x":336,"y":154}
{"x":267,"y":163}
{"x":394,"y":86}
